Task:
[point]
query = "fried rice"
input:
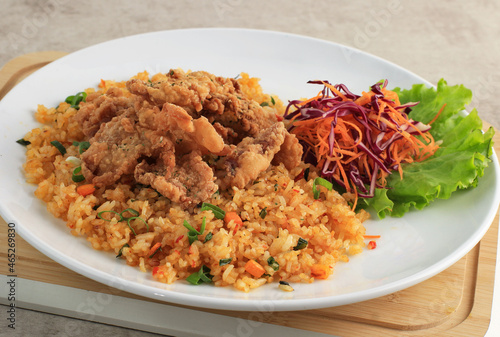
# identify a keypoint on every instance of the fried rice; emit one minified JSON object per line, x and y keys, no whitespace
{"x":277,"y":210}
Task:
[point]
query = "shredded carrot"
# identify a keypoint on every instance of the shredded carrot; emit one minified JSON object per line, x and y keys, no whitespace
{"x":437,"y":115}
{"x":356,"y":197}
{"x":335,"y":90}
{"x":254,"y":268}
{"x":365,"y":98}
{"x":310,"y":99}
{"x":340,"y":141}
{"x":84,"y":190}
{"x":371,"y":236}
{"x":154,"y":248}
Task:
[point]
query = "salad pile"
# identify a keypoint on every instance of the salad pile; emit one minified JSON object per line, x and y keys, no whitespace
{"x":393,"y":149}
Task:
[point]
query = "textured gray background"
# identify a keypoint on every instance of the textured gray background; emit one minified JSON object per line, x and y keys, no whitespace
{"x":455,"y":40}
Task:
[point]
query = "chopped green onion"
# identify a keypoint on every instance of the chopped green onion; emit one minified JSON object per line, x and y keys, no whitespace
{"x":23,"y":142}
{"x":121,"y":250}
{"x":74,"y":160}
{"x":273,"y":263}
{"x":273,"y":101}
{"x":301,"y":244}
{"x":77,"y":177}
{"x":202,"y":275}
{"x":111,"y":211}
{"x":193,"y":233}
{"x":75,"y":100}
{"x":133,"y":218}
{"x":192,"y":237}
{"x":208,"y":237}
{"x":122,"y":218}
{"x":82,"y":146}
{"x":223,"y":262}
{"x":263,"y":104}
{"x":322,"y":182}
{"x":263,"y":213}
{"x":189,"y":227}
{"x":218,"y":212}
{"x":130,"y":210}
{"x":202,"y":228}
{"x":59,"y":146}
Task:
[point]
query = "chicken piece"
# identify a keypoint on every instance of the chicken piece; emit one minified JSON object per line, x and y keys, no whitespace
{"x":100,"y":109}
{"x":188,"y":183}
{"x":136,"y":146}
{"x":188,"y":91}
{"x":225,"y":132}
{"x":158,"y":134}
{"x":290,"y":153}
{"x":192,"y":134}
{"x":218,"y":99}
{"x":245,"y":117}
{"x":250,"y":157}
{"x":115,"y":149}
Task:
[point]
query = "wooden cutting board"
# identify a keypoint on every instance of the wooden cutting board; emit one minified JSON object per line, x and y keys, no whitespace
{"x":457,"y":302}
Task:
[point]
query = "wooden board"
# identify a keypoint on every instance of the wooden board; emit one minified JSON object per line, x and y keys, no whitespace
{"x":456,"y":302}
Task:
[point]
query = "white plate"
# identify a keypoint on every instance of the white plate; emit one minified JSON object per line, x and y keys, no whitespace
{"x":411,"y":249}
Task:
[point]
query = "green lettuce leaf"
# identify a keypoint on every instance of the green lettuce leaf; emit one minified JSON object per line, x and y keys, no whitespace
{"x":461,"y":159}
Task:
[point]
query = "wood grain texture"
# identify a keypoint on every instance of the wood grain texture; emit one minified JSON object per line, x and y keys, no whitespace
{"x":456,"y":302}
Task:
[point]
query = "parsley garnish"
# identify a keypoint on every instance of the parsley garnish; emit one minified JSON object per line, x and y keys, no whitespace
{"x":201,"y":276}
{"x":75,"y":100}
{"x":208,"y":237}
{"x":263,"y":213}
{"x":23,"y":142}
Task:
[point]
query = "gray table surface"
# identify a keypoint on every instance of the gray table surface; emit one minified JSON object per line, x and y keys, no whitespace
{"x":454,"y":40}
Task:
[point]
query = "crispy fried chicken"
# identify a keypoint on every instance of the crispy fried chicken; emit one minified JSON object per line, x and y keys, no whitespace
{"x":161,"y":134}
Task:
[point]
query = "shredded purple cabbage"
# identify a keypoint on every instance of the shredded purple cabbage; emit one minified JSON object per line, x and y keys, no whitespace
{"x":329,"y":104}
